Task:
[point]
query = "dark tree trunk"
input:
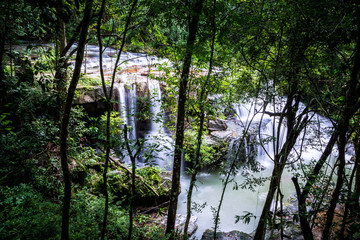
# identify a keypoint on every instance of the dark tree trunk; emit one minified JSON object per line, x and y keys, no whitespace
{"x":351,"y":106}
{"x":352,"y":201}
{"x":294,"y":127}
{"x":175,"y":187}
{"x":339,"y":183}
{"x":4,"y":33}
{"x":65,"y":122}
{"x":356,"y":194}
{"x":203,"y":96}
{"x":61,"y":24}
{"x":133,"y":177}
{"x":280,"y":161}
{"x":108,"y":97}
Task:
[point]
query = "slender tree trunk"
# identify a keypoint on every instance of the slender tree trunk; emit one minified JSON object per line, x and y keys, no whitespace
{"x":293,"y":130}
{"x":65,"y":122}
{"x":351,"y":106}
{"x":4,"y":33}
{"x":108,"y":97}
{"x":203,"y":97}
{"x":61,"y":24}
{"x":356,"y":194}
{"x":175,"y":187}
{"x":304,"y":223}
{"x":232,"y":167}
{"x":280,"y":161}
{"x":339,"y":183}
{"x":61,"y":74}
{"x":133,"y":176}
{"x":352,"y":201}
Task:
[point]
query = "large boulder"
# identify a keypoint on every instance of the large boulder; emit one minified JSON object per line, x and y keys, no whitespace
{"x":222,"y":135}
{"x":92,"y":99}
{"x":217,"y":125}
{"x":180,"y":224}
{"x":233,"y":235}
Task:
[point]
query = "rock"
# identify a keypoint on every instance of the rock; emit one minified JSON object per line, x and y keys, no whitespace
{"x":90,"y":95}
{"x":217,"y":125}
{"x":92,"y":100}
{"x":180,"y":223}
{"x":233,"y":235}
{"x":222,"y":135}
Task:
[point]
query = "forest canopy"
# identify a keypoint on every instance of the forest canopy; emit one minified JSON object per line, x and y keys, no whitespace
{"x":112,"y":111}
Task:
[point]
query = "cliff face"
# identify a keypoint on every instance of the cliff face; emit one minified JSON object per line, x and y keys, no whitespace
{"x":92,"y":98}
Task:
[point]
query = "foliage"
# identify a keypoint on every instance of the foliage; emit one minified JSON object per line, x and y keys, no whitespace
{"x":26,"y":214}
{"x":119,"y":185}
{"x":207,"y":152}
{"x":97,"y":129}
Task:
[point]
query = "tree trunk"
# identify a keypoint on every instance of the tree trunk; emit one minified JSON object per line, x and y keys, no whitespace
{"x":351,"y":106}
{"x":61,"y":24}
{"x":294,"y":127}
{"x":4,"y":33}
{"x":356,"y":194}
{"x":203,"y":97}
{"x":108,"y":97}
{"x":280,"y":161}
{"x":65,"y":122}
{"x":133,"y":177}
{"x":175,"y":187}
{"x":352,"y":199}
{"x":339,"y":183}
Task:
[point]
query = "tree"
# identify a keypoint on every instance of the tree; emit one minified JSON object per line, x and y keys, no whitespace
{"x":179,"y":136}
{"x":108,"y":96}
{"x":66,"y":117}
{"x":202,"y":98}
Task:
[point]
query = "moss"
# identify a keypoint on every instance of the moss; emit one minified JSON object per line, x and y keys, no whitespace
{"x":119,"y":182}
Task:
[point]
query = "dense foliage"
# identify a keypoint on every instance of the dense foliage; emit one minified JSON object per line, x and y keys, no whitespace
{"x":222,"y":52}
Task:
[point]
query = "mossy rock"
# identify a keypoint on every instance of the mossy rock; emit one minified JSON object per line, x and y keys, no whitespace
{"x":148,"y":181}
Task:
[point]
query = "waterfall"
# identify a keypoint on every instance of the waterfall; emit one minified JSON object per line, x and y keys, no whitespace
{"x":132,"y":111}
{"x":158,"y":149}
{"x":127,"y":107}
{"x":157,"y":118}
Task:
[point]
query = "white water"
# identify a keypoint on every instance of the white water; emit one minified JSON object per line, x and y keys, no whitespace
{"x":127,"y":107}
{"x":210,"y":185}
{"x":91,"y":64}
{"x":157,"y":139}
{"x":236,"y":202}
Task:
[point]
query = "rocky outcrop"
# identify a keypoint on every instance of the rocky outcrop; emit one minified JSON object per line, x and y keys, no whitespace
{"x":90,"y":94}
{"x":92,"y":99}
{"x":217,"y":125}
{"x":180,"y":223}
{"x":233,"y":235}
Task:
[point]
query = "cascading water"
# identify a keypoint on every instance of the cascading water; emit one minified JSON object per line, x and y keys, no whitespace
{"x":262,"y":128}
{"x":157,"y":149}
{"x":159,"y":146}
{"x":157,"y":118}
{"x":127,"y":107}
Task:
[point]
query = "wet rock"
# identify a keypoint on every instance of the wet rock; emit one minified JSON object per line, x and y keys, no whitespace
{"x":90,"y":95}
{"x":180,"y":223}
{"x":233,"y":235}
{"x":222,"y":135}
{"x":92,"y":100}
{"x":217,"y":125}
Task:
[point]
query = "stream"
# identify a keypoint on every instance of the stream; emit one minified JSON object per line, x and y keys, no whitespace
{"x":209,"y":185}
{"x":136,"y":68}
